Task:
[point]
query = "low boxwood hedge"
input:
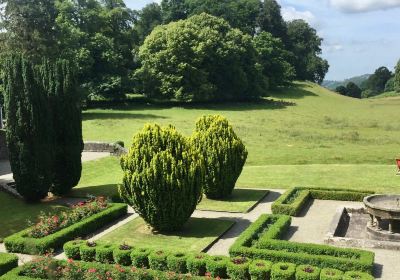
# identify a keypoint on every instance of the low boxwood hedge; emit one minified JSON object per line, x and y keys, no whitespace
{"x":350,"y":275}
{"x":196,"y":264}
{"x":283,"y":271}
{"x":307,"y":272}
{"x":257,"y":243}
{"x":238,"y":268}
{"x":260,"y":270}
{"x":293,"y":200}
{"x":20,"y":243}
{"x":122,"y":272}
{"x":331,"y":274}
{"x":217,"y":266}
{"x":7,"y":262}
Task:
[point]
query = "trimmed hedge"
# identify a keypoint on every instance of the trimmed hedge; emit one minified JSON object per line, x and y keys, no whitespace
{"x":293,"y":200}
{"x":7,"y":262}
{"x":238,"y":269}
{"x":122,"y":255}
{"x":331,"y":274}
{"x":260,"y":270}
{"x":307,"y":272}
{"x":196,"y":264}
{"x":158,"y":260}
{"x":217,"y":266}
{"x":176,"y":262}
{"x":20,"y":243}
{"x":257,"y":243}
{"x":16,"y":274}
{"x":140,"y":257}
{"x":350,"y":275}
{"x":283,"y":271}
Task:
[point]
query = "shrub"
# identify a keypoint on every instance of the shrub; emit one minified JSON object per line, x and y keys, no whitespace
{"x":238,"y":268}
{"x":72,"y":249}
{"x":350,"y":275}
{"x":217,"y":265}
{"x":177,"y":262}
{"x":196,"y":264}
{"x":21,"y":243}
{"x":224,"y":154}
{"x":283,"y":271}
{"x":307,"y":272}
{"x":140,"y":257}
{"x":7,"y":262}
{"x":260,"y":270}
{"x":163,"y":177}
{"x":122,"y":254}
{"x":291,"y":202}
{"x":105,"y":253}
{"x":88,"y":251}
{"x":158,"y":260}
{"x":331,"y":274}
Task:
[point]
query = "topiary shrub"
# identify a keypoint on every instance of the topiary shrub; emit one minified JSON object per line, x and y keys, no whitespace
{"x":224,"y":154}
{"x":88,"y":252}
{"x":217,"y":266}
{"x":163,"y":177}
{"x":331,"y":274}
{"x":283,"y":271}
{"x":72,"y":249}
{"x":177,"y":262}
{"x":196,"y":264}
{"x":307,"y":272}
{"x":104,"y":254}
{"x":122,"y":255}
{"x":140,"y":257}
{"x":260,"y":270}
{"x":350,"y":275}
{"x":158,"y":261}
{"x":238,"y":268}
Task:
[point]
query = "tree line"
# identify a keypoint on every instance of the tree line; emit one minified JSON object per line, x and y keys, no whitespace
{"x":383,"y":80}
{"x":112,"y":44}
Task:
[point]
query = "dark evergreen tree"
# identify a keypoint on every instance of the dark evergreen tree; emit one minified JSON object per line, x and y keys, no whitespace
{"x":60,"y":82}
{"x":397,"y":77}
{"x":29,"y":130}
{"x":173,"y":10}
{"x":270,"y":20}
{"x":353,"y":90}
{"x":341,"y":90}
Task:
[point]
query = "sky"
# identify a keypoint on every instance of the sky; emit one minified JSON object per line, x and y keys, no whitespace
{"x":359,"y":35}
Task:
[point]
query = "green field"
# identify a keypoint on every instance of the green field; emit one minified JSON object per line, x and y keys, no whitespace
{"x":305,"y":135}
{"x":195,"y":236}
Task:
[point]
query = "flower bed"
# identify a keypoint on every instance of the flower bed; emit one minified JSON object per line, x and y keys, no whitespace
{"x":48,"y":223}
{"x":22,"y":242}
{"x":7,"y":262}
{"x":258,"y":243}
{"x":293,"y":201}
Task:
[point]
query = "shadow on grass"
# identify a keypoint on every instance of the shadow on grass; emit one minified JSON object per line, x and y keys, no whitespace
{"x":243,"y":195}
{"x":293,"y":92}
{"x":87,"y":116}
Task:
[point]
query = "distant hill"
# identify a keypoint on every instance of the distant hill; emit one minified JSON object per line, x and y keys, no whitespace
{"x":358,"y":80}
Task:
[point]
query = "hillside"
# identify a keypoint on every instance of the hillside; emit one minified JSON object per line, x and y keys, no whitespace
{"x":358,"y":80}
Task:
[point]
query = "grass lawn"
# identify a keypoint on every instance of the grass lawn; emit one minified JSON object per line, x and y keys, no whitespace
{"x":196,"y":235}
{"x":240,"y":201}
{"x":15,"y":213}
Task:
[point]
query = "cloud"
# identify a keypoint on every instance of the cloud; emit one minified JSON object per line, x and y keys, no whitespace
{"x":359,"y":6}
{"x":291,"y":13}
{"x":331,"y":48}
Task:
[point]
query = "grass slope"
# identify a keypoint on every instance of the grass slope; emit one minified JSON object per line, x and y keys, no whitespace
{"x":310,"y":125}
{"x":196,"y":235}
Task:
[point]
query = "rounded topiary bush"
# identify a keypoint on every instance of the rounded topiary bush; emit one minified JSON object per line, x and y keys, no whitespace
{"x":140,"y":257}
{"x":158,"y":260}
{"x":72,"y":249}
{"x":196,"y":264}
{"x":331,"y":274}
{"x":176,"y":262}
{"x":217,"y":266}
{"x":163,"y":177}
{"x":238,"y":268}
{"x":224,"y":155}
{"x":122,"y":254}
{"x":307,"y":272}
{"x":260,"y":270}
{"x":283,"y":271}
{"x":350,"y":275}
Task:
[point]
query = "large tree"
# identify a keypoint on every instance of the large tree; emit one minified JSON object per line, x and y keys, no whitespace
{"x":147,"y":18}
{"x":173,"y":10}
{"x":199,"y":59}
{"x":397,"y":77}
{"x":29,"y":27}
{"x":270,"y":20}
{"x":274,"y":59}
{"x":29,"y":128}
{"x":305,"y":45}
{"x":376,"y":82}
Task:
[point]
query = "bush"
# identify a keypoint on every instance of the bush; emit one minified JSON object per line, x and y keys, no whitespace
{"x":7,"y":262}
{"x":350,"y":275}
{"x":331,"y":274}
{"x":307,"y":272}
{"x":260,"y":270}
{"x":283,"y":271}
{"x":72,"y":249}
{"x":140,"y":257}
{"x":176,"y":262}
{"x":105,"y":253}
{"x":196,"y":264}
{"x":122,"y":255}
{"x":20,"y":243}
{"x":238,"y":269}
{"x":158,"y":260}
{"x":224,"y":154}
{"x":163,"y":177}
{"x":217,"y":266}
{"x":199,"y":59}
{"x":88,"y":251}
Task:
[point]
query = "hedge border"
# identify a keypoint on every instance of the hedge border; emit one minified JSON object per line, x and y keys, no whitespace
{"x":257,"y":243}
{"x":19,"y":243}
{"x":7,"y":262}
{"x":303,"y":195}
